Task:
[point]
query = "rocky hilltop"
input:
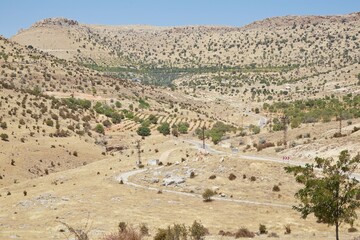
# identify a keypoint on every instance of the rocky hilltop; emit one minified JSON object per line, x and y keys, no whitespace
{"x":55,"y":22}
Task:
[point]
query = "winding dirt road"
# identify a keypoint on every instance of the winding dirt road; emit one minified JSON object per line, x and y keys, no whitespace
{"x":164,"y":156}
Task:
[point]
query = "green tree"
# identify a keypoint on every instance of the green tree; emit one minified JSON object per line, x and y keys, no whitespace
{"x":183,"y":127}
{"x":164,"y":128}
{"x":330,"y":194}
{"x":143,"y":131}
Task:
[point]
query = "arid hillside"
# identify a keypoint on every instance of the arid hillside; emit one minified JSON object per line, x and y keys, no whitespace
{"x":281,"y":41}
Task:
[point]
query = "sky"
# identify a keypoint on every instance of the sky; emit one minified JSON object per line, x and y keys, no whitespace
{"x":18,"y":14}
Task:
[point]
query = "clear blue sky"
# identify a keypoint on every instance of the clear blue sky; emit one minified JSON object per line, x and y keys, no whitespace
{"x":17,"y":14}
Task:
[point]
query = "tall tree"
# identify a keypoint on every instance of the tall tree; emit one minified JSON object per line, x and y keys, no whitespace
{"x":330,"y":190}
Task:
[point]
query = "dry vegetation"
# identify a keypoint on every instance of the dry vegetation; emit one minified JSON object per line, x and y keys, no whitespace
{"x":74,"y":99}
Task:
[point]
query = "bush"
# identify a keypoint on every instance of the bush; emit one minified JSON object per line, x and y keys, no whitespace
{"x":244,"y":233}
{"x":176,"y":232}
{"x":143,"y":131}
{"x":352,"y":229}
{"x":287,"y":229}
{"x":153,"y":119}
{"x":183,"y":127}
{"x":207,"y":194}
{"x":198,"y":231}
{"x":144,"y":230}
{"x":164,"y":128}
{"x":212,"y":176}
{"x":49,"y":122}
{"x":276,"y":188}
{"x":4,"y":137}
{"x":3,"y":125}
{"x":264,"y":145}
{"x":262,"y":229}
{"x":232,"y":177}
{"x":355,"y":129}
{"x":99,"y":129}
{"x":107,"y":123}
{"x":128,"y":233}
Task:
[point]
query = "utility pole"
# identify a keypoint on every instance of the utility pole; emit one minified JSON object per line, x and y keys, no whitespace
{"x":203,"y":136}
{"x":340,"y":123}
{"x":138,"y":147}
{"x":285,"y":122}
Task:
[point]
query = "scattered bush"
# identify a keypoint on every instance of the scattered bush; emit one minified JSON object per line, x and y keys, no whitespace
{"x":175,"y":232}
{"x":128,"y":233}
{"x":264,"y":145}
{"x":244,"y":233}
{"x":4,"y":137}
{"x":164,"y":128}
{"x":198,"y":231}
{"x":3,"y":125}
{"x":207,"y":194}
{"x":276,"y":188}
{"x":99,"y":129}
{"x":287,"y":229}
{"x":232,"y":177}
{"x":262,"y":229}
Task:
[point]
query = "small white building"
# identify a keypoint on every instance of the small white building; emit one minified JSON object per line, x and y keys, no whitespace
{"x":153,"y":162}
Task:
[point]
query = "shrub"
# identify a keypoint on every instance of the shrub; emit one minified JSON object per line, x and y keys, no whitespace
{"x":100,"y":129}
{"x":164,"y":128}
{"x":212,"y":176}
{"x":355,"y":129}
{"x":244,"y":233}
{"x":144,"y":230}
{"x":207,"y":194}
{"x":122,"y":226}
{"x":49,"y":122}
{"x":253,"y":178}
{"x":183,"y":127}
{"x":198,"y":231}
{"x":143,"y":131}
{"x":127,"y":234}
{"x":264,"y":145}
{"x":107,"y":123}
{"x":287,"y":229}
{"x":3,"y":125}
{"x":262,"y":229}
{"x":276,"y":188}
{"x":178,"y":232}
{"x":352,"y":229}
{"x":153,"y":119}
{"x":232,"y":177}
{"x":4,"y":137}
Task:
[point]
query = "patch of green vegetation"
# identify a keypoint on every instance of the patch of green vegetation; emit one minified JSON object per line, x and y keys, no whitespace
{"x":164,"y":76}
{"x":217,"y":132}
{"x":75,"y":104}
{"x":315,"y":110}
{"x":164,"y":128}
{"x":143,"y":103}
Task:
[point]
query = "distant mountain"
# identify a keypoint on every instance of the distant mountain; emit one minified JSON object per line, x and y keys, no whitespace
{"x":278,"y":41}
